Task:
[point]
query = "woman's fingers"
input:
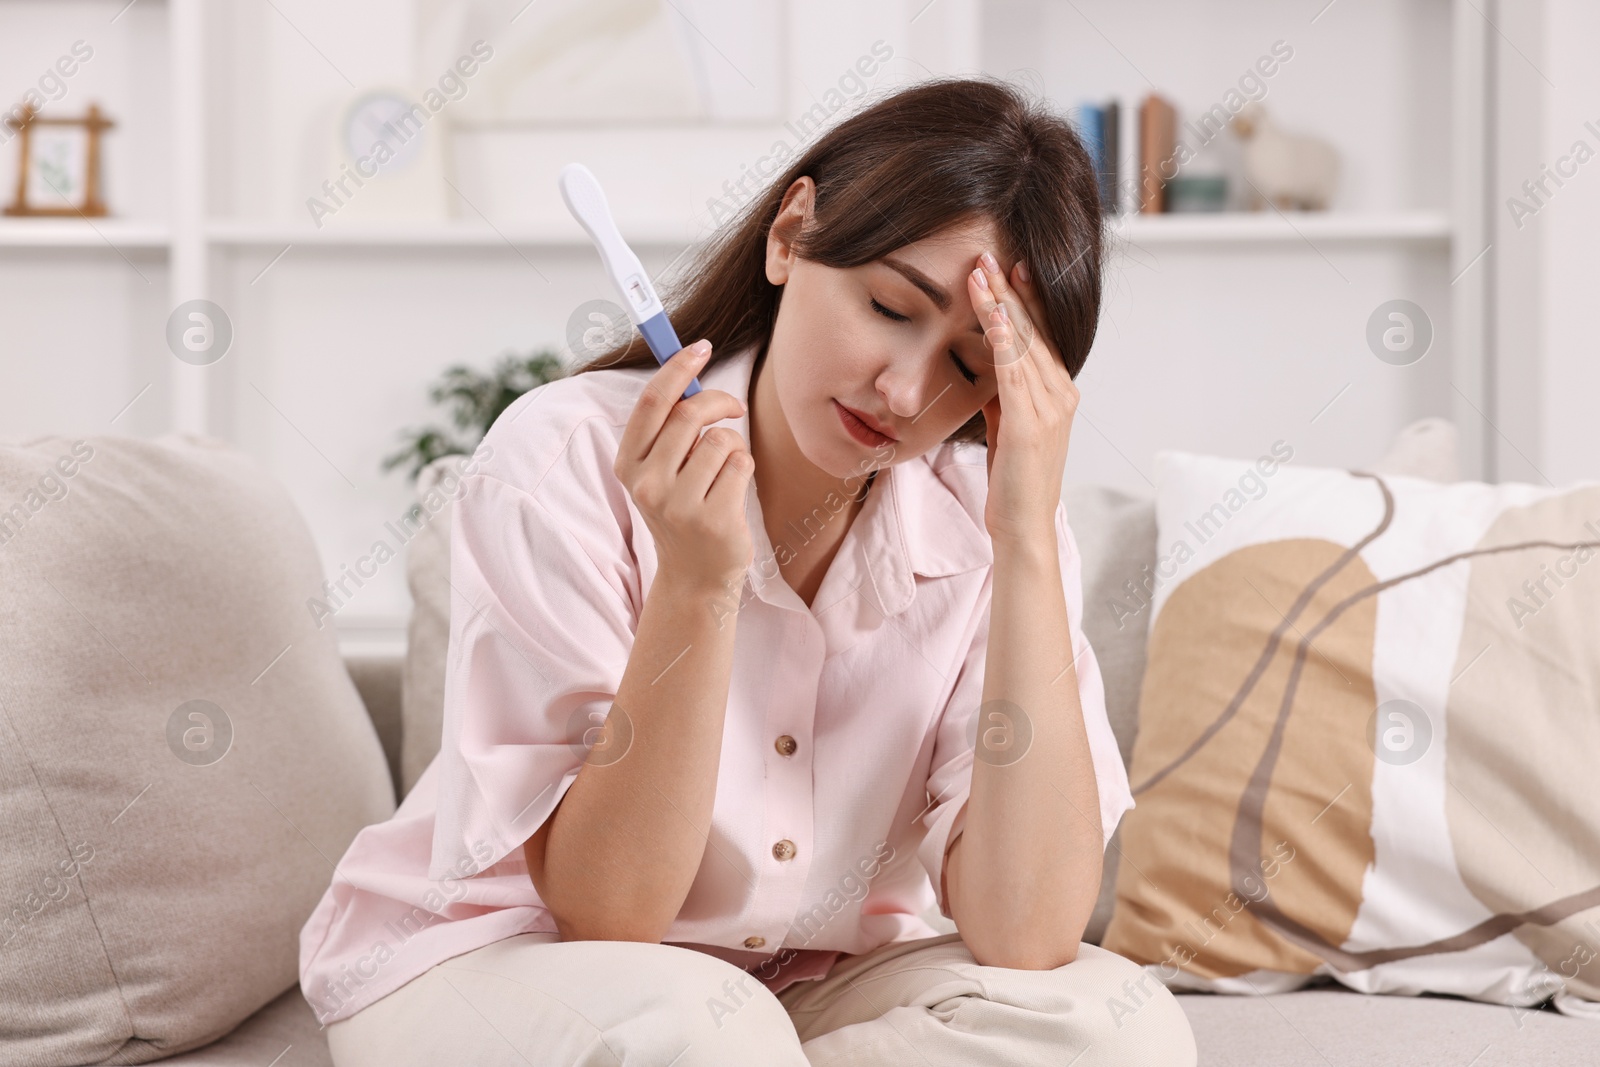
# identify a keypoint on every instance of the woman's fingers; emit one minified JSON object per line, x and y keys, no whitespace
{"x":1013,"y":364}
{"x":1054,"y":372}
{"x":1027,"y":292}
{"x":1001,"y":292}
{"x":661,"y":393}
{"x":1051,"y":370}
{"x":728,"y":488}
{"x":1029,"y":346}
{"x":717,"y":456}
{"x":686,"y":426}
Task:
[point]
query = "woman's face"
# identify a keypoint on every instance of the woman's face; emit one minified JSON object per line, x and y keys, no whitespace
{"x":895,"y":340}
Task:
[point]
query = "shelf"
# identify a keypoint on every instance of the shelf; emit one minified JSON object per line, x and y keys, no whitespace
{"x":122,"y":234}
{"x":1220,"y":228}
{"x":426,"y":235}
{"x":1198,"y":228}
{"x":1241,"y":227}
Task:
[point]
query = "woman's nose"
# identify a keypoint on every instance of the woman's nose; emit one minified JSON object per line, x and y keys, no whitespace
{"x":908,"y":389}
{"x":899,"y":396}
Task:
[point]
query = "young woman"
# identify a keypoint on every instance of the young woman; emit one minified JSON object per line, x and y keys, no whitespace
{"x":740,"y":684}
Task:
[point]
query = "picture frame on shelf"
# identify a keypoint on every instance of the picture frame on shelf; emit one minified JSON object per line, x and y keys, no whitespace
{"x":58,"y":165}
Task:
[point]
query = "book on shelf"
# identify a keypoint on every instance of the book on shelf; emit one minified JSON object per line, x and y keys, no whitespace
{"x":1158,"y":143}
{"x":1100,"y":126}
{"x":1134,"y":152}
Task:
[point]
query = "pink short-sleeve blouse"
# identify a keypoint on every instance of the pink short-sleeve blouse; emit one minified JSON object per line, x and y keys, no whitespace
{"x":847,"y":748}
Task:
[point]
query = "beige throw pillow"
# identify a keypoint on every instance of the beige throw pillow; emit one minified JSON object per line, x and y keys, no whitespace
{"x":183,"y":756}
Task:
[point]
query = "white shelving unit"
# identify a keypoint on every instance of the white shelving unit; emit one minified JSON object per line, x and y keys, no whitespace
{"x":330,"y":286}
{"x":191,"y":240}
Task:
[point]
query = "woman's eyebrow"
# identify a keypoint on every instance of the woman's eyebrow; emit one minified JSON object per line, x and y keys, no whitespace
{"x":940,"y":298}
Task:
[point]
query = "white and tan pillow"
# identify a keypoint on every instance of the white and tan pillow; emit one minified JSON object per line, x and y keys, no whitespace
{"x":1116,"y":534}
{"x":1369,"y":727}
{"x":183,"y":756}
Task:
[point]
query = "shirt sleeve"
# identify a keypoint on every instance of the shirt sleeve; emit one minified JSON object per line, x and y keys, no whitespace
{"x":950,"y":780}
{"x":541,"y":627}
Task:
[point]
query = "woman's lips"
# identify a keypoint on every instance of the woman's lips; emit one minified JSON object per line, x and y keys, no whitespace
{"x":858,"y":429}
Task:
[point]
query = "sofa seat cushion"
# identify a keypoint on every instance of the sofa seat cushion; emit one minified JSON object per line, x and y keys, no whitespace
{"x":1318,"y":1027}
{"x":1307,"y":1028}
{"x":285,"y":1033}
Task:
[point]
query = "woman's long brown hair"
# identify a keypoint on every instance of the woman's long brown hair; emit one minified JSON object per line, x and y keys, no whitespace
{"x":937,"y":154}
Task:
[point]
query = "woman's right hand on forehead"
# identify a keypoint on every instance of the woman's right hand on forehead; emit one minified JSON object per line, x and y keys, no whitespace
{"x":689,"y":486}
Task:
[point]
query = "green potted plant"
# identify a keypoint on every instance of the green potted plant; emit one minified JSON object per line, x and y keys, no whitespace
{"x":475,"y":400}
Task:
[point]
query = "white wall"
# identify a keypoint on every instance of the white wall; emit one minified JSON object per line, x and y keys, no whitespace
{"x":1569,"y":447}
{"x":1545,"y":268}
{"x":1518,"y":424}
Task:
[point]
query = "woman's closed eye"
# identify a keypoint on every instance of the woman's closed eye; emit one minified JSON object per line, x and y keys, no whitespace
{"x":889,"y":313}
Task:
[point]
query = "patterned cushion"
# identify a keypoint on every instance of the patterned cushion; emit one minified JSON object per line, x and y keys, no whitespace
{"x":1368,"y":729}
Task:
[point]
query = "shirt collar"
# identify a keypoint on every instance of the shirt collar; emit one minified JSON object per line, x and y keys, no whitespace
{"x":913,"y":522}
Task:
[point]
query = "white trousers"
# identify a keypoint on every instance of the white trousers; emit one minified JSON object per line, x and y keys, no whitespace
{"x":535,"y":1001}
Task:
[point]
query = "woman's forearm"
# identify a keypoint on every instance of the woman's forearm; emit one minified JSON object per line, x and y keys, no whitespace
{"x":1024,"y":874}
{"x":617,"y":857}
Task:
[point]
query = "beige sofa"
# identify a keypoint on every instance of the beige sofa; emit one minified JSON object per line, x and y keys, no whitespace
{"x":1310,"y":1028}
{"x":1318,"y":1026}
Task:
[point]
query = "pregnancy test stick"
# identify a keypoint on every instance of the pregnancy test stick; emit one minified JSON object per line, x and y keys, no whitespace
{"x":587,"y":202}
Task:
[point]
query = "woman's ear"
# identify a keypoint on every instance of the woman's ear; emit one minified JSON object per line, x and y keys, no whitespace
{"x":792,"y":215}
